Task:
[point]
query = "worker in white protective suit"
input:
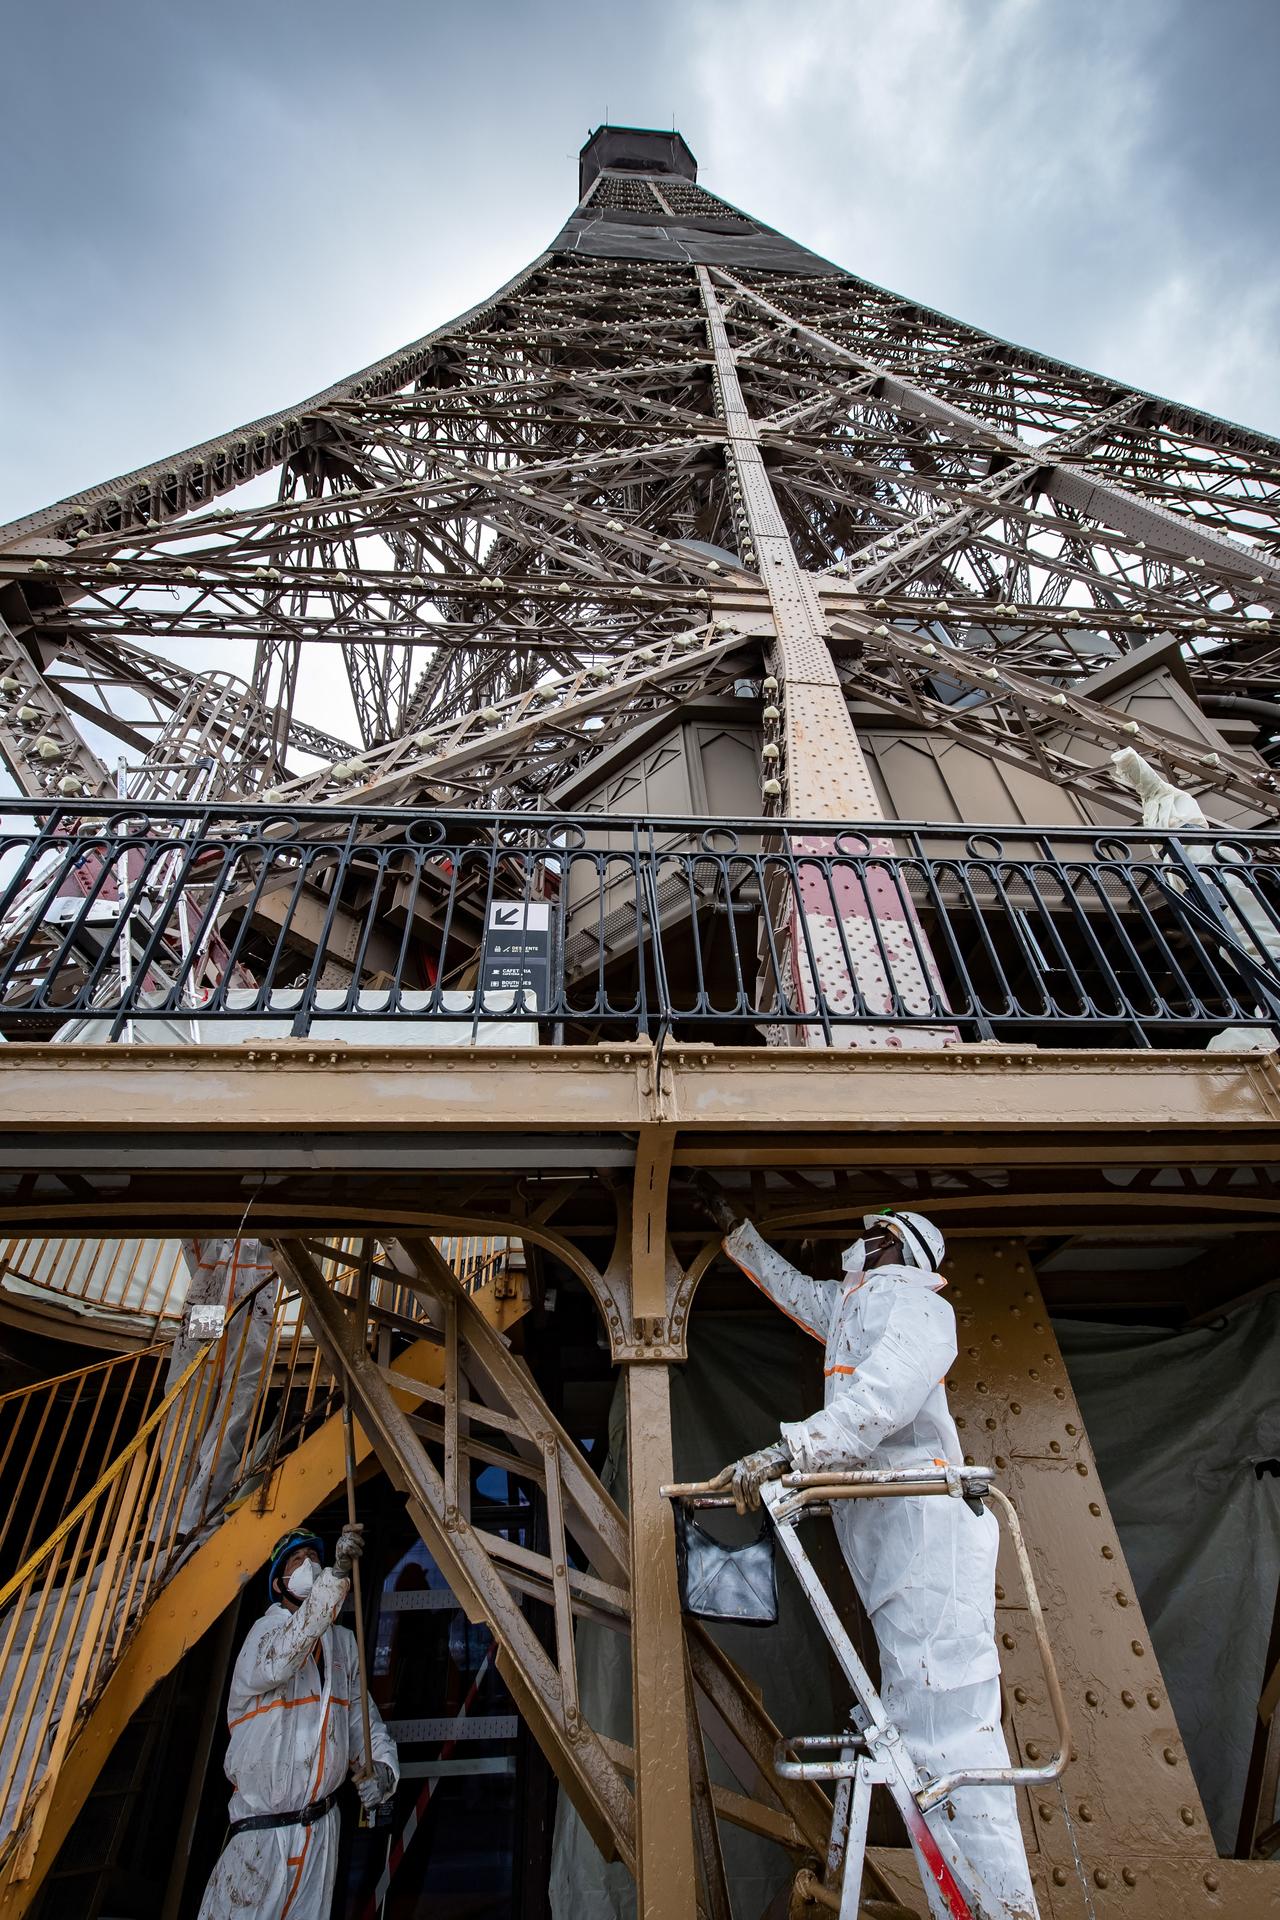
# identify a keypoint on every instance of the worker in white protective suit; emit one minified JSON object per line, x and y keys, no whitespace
{"x":296,"y":1731}
{"x":1171,"y":809}
{"x":223,"y":1273}
{"x":924,"y":1569}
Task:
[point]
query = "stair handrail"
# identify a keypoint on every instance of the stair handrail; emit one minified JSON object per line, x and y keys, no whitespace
{"x":82,"y":1373}
{"x":82,"y":1409}
{"x":83,"y":1591}
{"x":111,"y":1473}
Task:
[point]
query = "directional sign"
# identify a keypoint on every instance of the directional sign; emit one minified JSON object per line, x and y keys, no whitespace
{"x":517,"y":951}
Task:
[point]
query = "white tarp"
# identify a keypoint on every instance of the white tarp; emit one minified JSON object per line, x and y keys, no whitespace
{"x":224,"y":1272}
{"x":134,"y":1277}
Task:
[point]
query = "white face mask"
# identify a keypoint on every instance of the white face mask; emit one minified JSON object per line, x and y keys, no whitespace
{"x":854,"y":1258}
{"x":302,"y":1579}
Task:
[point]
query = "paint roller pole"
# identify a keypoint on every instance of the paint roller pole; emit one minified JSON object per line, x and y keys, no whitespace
{"x":348,"y":1435}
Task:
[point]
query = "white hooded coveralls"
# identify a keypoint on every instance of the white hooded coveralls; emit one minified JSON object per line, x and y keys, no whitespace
{"x":924,"y":1569}
{"x":1170,"y":809}
{"x":294,"y":1737}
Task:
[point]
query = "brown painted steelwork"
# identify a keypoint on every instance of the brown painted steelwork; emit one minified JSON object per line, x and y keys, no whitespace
{"x":1011,"y":1395}
{"x":309,"y":1086}
{"x":659,"y":1696}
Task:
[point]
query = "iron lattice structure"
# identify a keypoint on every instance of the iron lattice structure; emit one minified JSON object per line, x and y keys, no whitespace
{"x":675,"y":451}
{"x":676,"y":457}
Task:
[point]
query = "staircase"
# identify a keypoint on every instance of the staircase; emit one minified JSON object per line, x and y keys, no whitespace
{"x":100,"y":1611}
{"x":151,"y":1553}
{"x":488,"y":1409}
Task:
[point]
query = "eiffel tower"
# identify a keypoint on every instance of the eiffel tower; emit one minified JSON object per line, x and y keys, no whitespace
{"x":685,"y":540}
{"x":676,"y":450}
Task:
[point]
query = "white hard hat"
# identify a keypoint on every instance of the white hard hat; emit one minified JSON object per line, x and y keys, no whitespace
{"x":921,"y":1242}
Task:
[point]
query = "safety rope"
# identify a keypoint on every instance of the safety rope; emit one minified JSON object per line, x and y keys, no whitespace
{"x":1071,"y":1835}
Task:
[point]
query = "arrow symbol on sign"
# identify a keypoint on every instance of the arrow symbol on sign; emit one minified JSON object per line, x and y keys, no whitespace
{"x":506,"y":916}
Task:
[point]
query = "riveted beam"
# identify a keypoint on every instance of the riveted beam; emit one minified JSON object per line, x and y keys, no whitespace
{"x":1097,"y":495}
{"x":499,"y":1381}
{"x":1129,"y":1825}
{"x":233,"y":1103}
{"x":825,"y":771}
{"x":35,"y":721}
{"x":665,"y":1880}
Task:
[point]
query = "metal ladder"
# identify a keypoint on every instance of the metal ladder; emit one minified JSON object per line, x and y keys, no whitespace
{"x":871,"y":1752}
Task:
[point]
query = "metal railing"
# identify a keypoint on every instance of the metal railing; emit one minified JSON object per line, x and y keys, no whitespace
{"x":56,"y":1435}
{"x":150,"y":922}
{"x":70,"y":1608}
{"x":143,"y":1283}
{"x":138,"y":1499}
{"x":870,"y":1750}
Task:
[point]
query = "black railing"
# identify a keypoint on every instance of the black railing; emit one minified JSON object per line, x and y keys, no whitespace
{"x":147,"y":922}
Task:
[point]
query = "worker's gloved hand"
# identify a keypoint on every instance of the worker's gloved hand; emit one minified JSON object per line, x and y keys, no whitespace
{"x":350,"y":1547}
{"x":377,"y":1787}
{"x":714,"y":1202}
{"x":745,"y":1477}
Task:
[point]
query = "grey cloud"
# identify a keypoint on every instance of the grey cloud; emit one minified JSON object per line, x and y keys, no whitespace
{"x":215,"y":211}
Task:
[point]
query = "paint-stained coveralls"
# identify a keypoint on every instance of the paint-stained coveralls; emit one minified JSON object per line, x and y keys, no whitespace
{"x":296,"y":1732}
{"x":924,"y":1569}
{"x":222,"y":1273}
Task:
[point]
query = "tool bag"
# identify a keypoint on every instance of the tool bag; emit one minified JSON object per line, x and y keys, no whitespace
{"x":731,"y":1584}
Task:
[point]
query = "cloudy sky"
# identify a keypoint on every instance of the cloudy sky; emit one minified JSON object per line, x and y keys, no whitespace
{"x":214,"y":210}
